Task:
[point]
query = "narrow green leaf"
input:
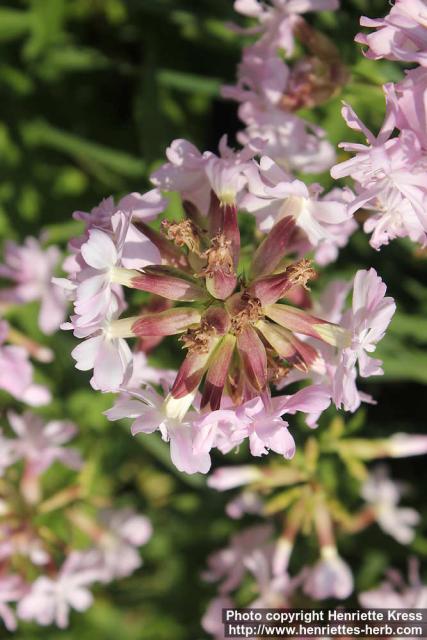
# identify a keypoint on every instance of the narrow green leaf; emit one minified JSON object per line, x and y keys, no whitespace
{"x":40,"y":133}
{"x":189,"y":82}
{"x":13,"y":24}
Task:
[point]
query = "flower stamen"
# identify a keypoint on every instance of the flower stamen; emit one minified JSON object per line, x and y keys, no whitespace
{"x":198,"y":340}
{"x":184,"y":233}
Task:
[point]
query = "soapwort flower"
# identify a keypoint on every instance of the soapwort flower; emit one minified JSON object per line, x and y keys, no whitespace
{"x":30,"y":268}
{"x":245,"y":329}
{"x":400,"y":35}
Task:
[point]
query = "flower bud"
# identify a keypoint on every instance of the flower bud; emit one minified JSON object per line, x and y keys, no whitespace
{"x":254,"y":358}
{"x":168,"y":283}
{"x":299,"y":321}
{"x":269,"y":289}
{"x":225,"y":478}
{"x":272,"y":249}
{"x":193,"y":368}
{"x":402,"y":445}
{"x":300,"y":354}
{"x":330,"y":577}
{"x":166,"y":323}
{"x":217,"y":372}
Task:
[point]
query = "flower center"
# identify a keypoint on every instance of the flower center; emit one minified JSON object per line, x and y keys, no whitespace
{"x":219,"y":256}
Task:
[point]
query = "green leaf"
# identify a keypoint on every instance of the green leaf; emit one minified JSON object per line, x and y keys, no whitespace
{"x":402,"y":361}
{"x":13,"y":24}
{"x":62,"y":232}
{"x":39,"y":133}
{"x":15,"y":79}
{"x":282,"y":501}
{"x":73,"y":59}
{"x":47,"y":19}
{"x":377,"y":71}
{"x":413,"y":327}
{"x":189,"y":82}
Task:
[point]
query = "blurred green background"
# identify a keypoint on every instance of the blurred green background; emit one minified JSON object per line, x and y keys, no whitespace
{"x":91,"y":93}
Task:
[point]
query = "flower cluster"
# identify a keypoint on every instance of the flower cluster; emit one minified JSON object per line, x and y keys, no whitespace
{"x":40,"y":571}
{"x":30,"y":267}
{"x":304,"y":504}
{"x":243,"y":313}
{"x":247,"y":325}
{"x":270,"y":91}
{"x":389,"y":170}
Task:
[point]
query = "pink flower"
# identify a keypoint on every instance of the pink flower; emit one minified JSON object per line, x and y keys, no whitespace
{"x":266,"y":85}
{"x":151,"y":412}
{"x":185,"y":173}
{"x":383,"y":494}
{"x":295,"y":144}
{"x":370,"y":316}
{"x":141,"y":206}
{"x":338,"y":234}
{"x":262,"y":78}
{"x":105,"y":257}
{"x":393,"y":593}
{"x":389,"y":175}
{"x":273,"y":590}
{"x":400,"y":445}
{"x":330,"y":577}
{"x":41,"y":444}
{"x":229,"y":564}
{"x":336,"y":369}
{"x":323,"y":371}
{"x":401,"y":35}
{"x":260,"y":420}
{"x":194,"y":175}
{"x":407,"y":100}
{"x":124,"y":532}
{"x":264,"y":425}
{"x":277,"y":20}
{"x":216,"y":429}
{"x":105,"y":351}
{"x":12,"y":589}
{"x":330,"y":304}
{"x":31,"y":268}
{"x":227,"y":174}
{"x":50,"y":599}
{"x":16,"y":376}
{"x":212,"y":620}
{"x":274,"y":195}
{"x":245,"y":502}
{"x":135,"y":206}
{"x":225,"y":478}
